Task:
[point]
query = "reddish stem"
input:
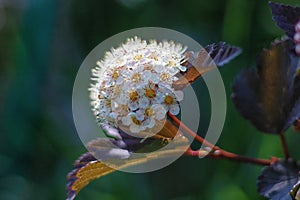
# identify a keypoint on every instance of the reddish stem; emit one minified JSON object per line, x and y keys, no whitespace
{"x":284,"y":146}
{"x":221,"y":154}
{"x":217,"y":152}
{"x":192,"y":133}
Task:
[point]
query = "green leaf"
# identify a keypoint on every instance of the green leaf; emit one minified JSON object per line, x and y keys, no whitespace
{"x":277,"y":180}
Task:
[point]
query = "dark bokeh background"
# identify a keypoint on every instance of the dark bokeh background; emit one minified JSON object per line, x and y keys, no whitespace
{"x":42,"y":44}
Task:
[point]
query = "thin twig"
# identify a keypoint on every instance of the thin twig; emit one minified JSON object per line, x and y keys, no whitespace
{"x":192,"y":133}
{"x":217,"y":152}
{"x":221,"y":154}
{"x":284,"y":146}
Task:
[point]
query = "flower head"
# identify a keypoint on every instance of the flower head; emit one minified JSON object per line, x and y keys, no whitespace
{"x":132,"y":85}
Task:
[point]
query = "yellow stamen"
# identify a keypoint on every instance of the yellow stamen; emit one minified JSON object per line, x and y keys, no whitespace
{"x":133,"y":95}
{"x":149,"y":112}
{"x":153,"y":56}
{"x":117,"y":90}
{"x":136,"y":77}
{"x":169,"y":100}
{"x":138,"y":57}
{"x":135,"y":120}
{"x":148,"y":67}
{"x":164,"y":77}
{"x":150,"y":93}
{"x":171,"y":63}
{"x":108,"y":102}
{"x":115,"y":75}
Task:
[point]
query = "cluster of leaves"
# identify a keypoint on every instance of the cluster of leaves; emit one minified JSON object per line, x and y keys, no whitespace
{"x":268,"y":96}
{"x":115,"y":153}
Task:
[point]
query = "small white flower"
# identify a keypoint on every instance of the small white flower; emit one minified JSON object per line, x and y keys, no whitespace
{"x":160,"y":111}
{"x":132,"y":85}
{"x":146,"y":75}
{"x":179,"y":95}
{"x":170,"y":103}
{"x":140,"y":115}
{"x":144,"y":102}
{"x":134,"y":128}
{"x":133,"y":106}
{"x":150,"y":123}
{"x":174,"y":109}
{"x":126,"y":120}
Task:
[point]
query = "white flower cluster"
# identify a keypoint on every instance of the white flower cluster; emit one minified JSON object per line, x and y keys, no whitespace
{"x":132,"y":85}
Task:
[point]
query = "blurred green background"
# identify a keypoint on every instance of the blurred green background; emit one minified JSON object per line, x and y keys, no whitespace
{"x":42,"y":44}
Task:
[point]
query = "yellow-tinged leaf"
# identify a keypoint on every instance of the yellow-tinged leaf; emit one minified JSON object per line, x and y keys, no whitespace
{"x":197,"y":65}
{"x":91,"y":168}
{"x":89,"y":172}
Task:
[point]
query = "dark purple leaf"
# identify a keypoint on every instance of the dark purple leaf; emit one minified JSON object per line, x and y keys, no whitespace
{"x":297,"y":125}
{"x":295,"y":192}
{"x":285,"y":17}
{"x":277,"y":180}
{"x":198,"y":63}
{"x":269,"y":95}
{"x":73,"y":177}
{"x":222,"y":53}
